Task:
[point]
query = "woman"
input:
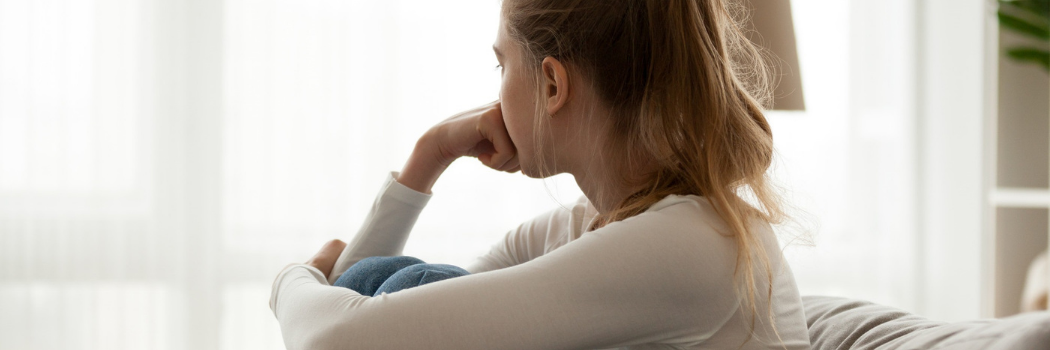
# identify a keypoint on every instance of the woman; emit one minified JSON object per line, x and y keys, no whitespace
{"x":655,"y":108}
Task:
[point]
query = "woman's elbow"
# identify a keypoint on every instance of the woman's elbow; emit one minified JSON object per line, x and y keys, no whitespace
{"x":318,"y":340}
{"x":341,"y":334}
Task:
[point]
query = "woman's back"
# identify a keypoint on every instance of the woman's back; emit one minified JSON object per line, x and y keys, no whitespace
{"x":690,"y":238}
{"x":661,"y":279}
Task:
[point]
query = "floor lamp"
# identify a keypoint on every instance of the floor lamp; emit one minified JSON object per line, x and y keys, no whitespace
{"x":772,"y":28}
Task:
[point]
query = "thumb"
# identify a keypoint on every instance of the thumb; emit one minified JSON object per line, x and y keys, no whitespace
{"x":325,"y":259}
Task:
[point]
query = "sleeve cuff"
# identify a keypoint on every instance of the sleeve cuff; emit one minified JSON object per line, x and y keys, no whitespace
{"x":402,"y":193}
{"x":289,"y":270}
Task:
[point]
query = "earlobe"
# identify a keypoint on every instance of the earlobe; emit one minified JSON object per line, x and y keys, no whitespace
{"x":557,"y":81}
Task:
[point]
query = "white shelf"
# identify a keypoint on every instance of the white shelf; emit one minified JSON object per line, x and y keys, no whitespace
{"x":1020,"y":197}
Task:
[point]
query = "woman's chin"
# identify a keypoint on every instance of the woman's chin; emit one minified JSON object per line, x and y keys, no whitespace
{"x":530,"y":172}
{"x":536,"y":173}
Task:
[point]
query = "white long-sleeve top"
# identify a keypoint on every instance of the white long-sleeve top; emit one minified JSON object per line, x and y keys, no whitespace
{"x":662,"y":279}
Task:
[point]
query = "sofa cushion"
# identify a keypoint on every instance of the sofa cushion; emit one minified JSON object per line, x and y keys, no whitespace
{"x":840,"y":323}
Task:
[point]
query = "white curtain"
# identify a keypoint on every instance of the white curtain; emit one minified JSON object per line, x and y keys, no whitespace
{"x":849,"y":161}
{"x":161,"y":160}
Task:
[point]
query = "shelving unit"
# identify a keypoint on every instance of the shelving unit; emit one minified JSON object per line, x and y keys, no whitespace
{"x":1019,"y":152}
{"x":1007,"y":197}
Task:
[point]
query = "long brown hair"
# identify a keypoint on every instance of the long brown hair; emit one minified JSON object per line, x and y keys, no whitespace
{"x":686,"y":89}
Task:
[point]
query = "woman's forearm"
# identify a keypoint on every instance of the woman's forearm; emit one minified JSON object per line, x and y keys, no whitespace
{"x":424,"y":166}
{"x":479,"y":133}
{"x":386,"y":227}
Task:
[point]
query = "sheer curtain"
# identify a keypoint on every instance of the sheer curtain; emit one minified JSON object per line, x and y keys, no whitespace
{"x":161,"y":160}
{"x":849,"y":162}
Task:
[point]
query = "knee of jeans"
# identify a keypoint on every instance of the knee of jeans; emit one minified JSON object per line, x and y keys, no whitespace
{"x":391,"y":260}
{"x":426,"y":273}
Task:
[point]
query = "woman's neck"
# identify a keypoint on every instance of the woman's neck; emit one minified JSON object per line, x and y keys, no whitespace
{"x":607,"y":183}
{"x":605,"y":170}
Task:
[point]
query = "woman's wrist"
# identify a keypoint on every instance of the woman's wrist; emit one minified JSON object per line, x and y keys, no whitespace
{"x":424,"y":166}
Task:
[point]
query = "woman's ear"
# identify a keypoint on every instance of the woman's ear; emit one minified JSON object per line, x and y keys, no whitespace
{"x":557,"y":80}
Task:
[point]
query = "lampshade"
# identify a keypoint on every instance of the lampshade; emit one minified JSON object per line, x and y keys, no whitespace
{"x":774,"y":30}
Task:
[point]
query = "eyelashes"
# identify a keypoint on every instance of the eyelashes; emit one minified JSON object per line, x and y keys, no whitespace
{"x":498,"y":67}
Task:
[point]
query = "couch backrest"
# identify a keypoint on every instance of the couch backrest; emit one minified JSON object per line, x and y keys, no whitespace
{"x":840,"y":323}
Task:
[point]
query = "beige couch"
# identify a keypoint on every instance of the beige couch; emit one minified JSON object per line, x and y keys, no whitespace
{"x":839,"y":323}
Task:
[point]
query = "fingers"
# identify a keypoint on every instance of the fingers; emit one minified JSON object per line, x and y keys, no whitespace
{"x":479,"y":133}
{"x":492,"y":128}
{"x":512,"y":165}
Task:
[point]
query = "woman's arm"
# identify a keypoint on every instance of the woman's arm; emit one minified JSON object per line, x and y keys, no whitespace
{"x":536,"y":236}
{"x":386,"y":227}
{"x":516,"y":247}
{"x":616,"y":286}
{"x":478,"y":132}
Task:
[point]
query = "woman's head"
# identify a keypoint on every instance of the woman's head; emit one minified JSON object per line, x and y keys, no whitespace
{"x":675,"y":83}
{"x":534,"y":90}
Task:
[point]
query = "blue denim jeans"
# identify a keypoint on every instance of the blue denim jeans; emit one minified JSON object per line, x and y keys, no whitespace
{"x":387,"y":274}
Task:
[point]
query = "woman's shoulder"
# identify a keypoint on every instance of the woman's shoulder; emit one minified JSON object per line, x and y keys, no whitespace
{"x":690,"y":212}
{"x":690,"y":218}
{"x":673,"y":207}
{"x":566,"y":222}
{"x":692,"y":208}
{"x":684,"y":220}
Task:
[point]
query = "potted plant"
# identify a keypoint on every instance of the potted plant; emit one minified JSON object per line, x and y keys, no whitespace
{"x":1030,"y":18}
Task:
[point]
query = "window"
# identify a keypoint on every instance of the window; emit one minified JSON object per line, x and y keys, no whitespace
{"x":160,"y":161}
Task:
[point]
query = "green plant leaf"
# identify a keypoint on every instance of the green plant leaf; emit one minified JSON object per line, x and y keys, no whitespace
{"x":1024,"y":27}
{"x":1037,"y":8}
{"x":1030,"y":54}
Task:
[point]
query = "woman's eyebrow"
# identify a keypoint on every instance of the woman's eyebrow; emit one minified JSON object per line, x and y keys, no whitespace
{"x":499,"y":54}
